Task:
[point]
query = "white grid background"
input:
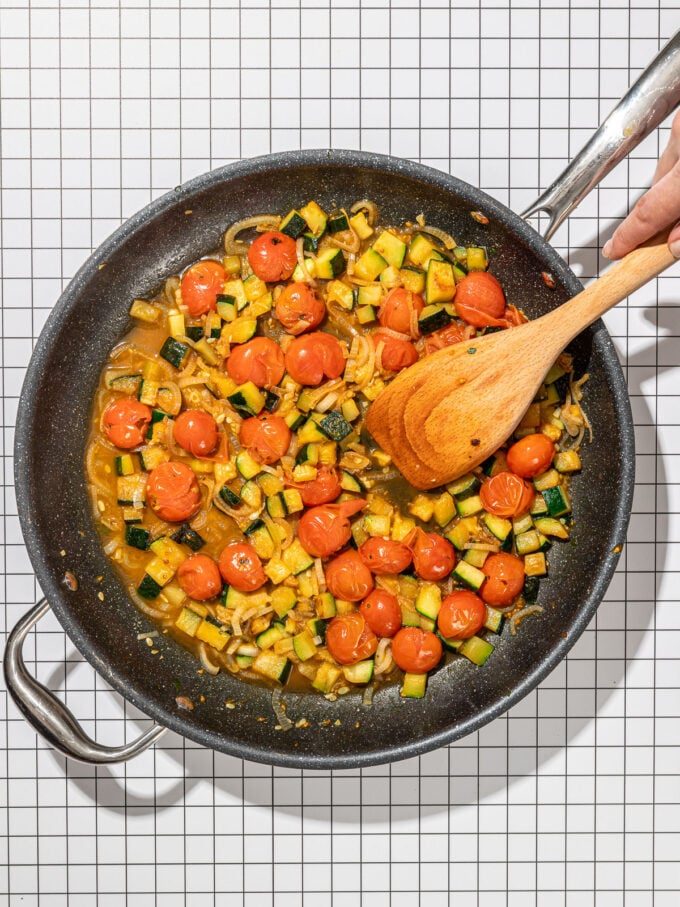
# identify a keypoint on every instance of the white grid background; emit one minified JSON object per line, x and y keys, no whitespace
{"x":571,"y":799}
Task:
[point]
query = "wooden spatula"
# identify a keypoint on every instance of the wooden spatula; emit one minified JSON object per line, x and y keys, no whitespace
{"x":450,"y":411}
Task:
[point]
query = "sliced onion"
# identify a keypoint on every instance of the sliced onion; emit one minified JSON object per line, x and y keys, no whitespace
{"x":371,"y":209}
{"x":205,"y":661}
{"x":233,"y":247}
{"x":367,"y":698}
{"x":300,"y":252}
{"x":517,"y":618}
{"x":280,"y":710}
{"x":174,"y":404}
{"x":445,"y":238}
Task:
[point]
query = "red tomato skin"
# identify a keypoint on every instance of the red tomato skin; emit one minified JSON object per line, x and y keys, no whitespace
{"x":461,"y":615}
{"x":433,"y":556}
{"x":350,"y":639}
{"x":325,"y":529}
{"x":395,"y":311}
{"x":385,"y":557}
{"x":266,"y":436}
{"x":125,"y":422}
{"x":396,"y":354}
{"x":196,"y":432}
{"x":531,"y":455}
{"x":416,"y":651}
{"x":447,"y":336}
{"x":324,"y":489}
{"x":480,"y":300}
{"x":199,"y":576}
{"x":201,"y":285}
{"x":506,"y":495}
{"x":348,"y":578}
{"x":241,"y":567}
{"x":172,"y":492}
{"x":299,"y":309}
{"x":381,"y":612}
{"x":260,"y":360}
{"x":504,"y":579}
{"x":312,"y":358}
{"x":273,"y":256}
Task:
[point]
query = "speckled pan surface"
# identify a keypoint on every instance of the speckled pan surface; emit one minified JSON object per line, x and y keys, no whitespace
{"x":54,"y":508}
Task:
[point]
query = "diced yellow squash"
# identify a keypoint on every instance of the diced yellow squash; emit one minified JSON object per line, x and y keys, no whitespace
{"x":145,"y":311}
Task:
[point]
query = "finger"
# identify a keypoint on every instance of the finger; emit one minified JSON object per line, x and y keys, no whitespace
{"x":658,"y":208}
{"x":674,"y":241}
{"x":671,"y":153}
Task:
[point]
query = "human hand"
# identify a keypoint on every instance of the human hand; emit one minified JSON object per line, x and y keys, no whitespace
{"x":658,"y":208}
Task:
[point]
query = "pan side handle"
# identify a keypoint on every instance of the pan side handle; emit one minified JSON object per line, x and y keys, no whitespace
{"x":645,"y":105}
{"x":49,"y":716}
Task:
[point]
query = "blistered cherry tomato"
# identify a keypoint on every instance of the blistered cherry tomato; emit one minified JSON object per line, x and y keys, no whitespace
{"x":396,"y":354}
{"x":480,"y":300}
{"x":326,"y":528}
{"x":433,"y":556}
{"x":384,"y":556}
{"x":506,"y":495}
{"x":273,"y":256}
{"x":321,"y":490}
{"x":260,"y":360}
{"x":396,"y":308}
{"x":348,"y":578}
{"x":452,"y":333}
{"x":172,"y":492}
{"x":504,"y":579}
{"x":241,"y":567}
{"x":313,"y":358}
{"x":196,"y":431}
{"x":416,"y":651}
{"x":266,"y":436}
{"x":299,"y":309}
{"x":201,"y":285}
{"x":531,"y":455}
{"x":461,"y":615}
{"x":199,"y":576}
{"x":382,"y":612}
{"x":125,"y":422}
{"x":349,"y":638}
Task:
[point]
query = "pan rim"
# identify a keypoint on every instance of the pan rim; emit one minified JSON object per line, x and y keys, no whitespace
{"x":35,"y":541}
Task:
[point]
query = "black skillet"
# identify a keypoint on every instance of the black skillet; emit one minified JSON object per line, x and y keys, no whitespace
{"x":55,"y":510}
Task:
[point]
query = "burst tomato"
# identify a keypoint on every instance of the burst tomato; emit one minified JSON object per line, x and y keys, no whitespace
{"x":504,"y":579}
{"x":506,"y":495}
{"x":531,"y":455}
{"x":172,"y":492}
{"x":396,"y":354}
{"x":196,"y":432}
{"x":396,"y":308}
{"x":313,"y":358}
{"x":349,"y":638}
{"x":272,"y":256}
{"x":241,"y":567}
{"x":382,"y":612}
{"x":326,"y":528}
{"x":461,"y":615}
{"x":199,"y":576}
{"x":125,"y":422}
{"x":321,"y":490}
{"x":480,"y":300}
{"x":433,"y":556}
{"x":452,"y":333}
{"x":260,"y":360}
{"x":266,"y":437}
{"x":348,"y":578}
{"x":201,"y":285}
{"x":299,"y":309}
{"x":416,"y":651}
{"x":384,"y":556}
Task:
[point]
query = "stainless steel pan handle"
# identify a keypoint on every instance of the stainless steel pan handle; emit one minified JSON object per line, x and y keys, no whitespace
{"x":49,"y":716}
{"x":646,"y":104}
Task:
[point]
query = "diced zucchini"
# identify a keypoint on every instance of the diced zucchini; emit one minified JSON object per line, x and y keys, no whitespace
{"x":531,"y":587}
{"x":535,"y":565}
{"x":325,"y":606}
{"x":213,"y":635}
{"x":432,"y":318}
{"x":366,"y":314}
{"x":377,"y":525}
{"x":476,"y":649}
{"x":293,"y":224}
{"x":188,"y":621}
{"x":125,"y":465}
{"x":126,"y":384}
{"x":552,"y":527}
{"x":527,"y":542}
{"x":350,"y":410}
{"x":421,"y":250}
{"x":239,"y":331}
{"x":247,"y":399}
{"x":422,"y":507}
{"x":174,"y":352}
{"x":477,"y":259}
{"x":370,"y":296}
{"x":440,"y":284}
{"x":144,"y":311}
{"x":464,"y":487}
{"x":293,"y":500}
{"x":276,"y":506}
{"x":546,"y":480}
{"x":193,"y":331}
{"x":226,"y":307}
{"x":539,"y":506}
{"x":254,"y":288}
{"x":444,"y":509}
{"x":251,"y":494}
{"x":326,"y":677}
{"x":493,"y":620}
{"x":361,"y":226}
{"x":497,"y":526}
{"x":329,"y":264}
{"x":149,"y":588}
{"x":469,"y":506}
{"x":296,"y":558}
{"x":276,"y":570}
{"x":338,"y":222}
{"x":304,"y":645}
{"x":230,"y":497}
{"x":475,"y":556}
{"x":370,"y":265}
{"x":315,"y":218}
{"x":459,"y":536}
{"x":413,"y":686}
{"x":557,"y":501}
{"x":568,"y":461}
{"x":294,"y":419}
{"x":391,"y":248}
{"x":348,"y":482}
{"x":133,"y":515}
{"x":247,"y":465}
{"x":401,"y":526}
{"x":556,"y":371}
{"x":305,"y":472}
{"x":160,"y":571}
{"x":470,"y":576}
{"x":339,"y":292}
{"x":413,"y":279}
{"x":136,"y":537}
{"x":335,"y":426}
{"x":283,"y":600}
{"x":131,"y":488}
{"x":429,"y":600}
{"x":168,"y":551}
{"x":310,"y":433}
{"x":523,"y":524}
{"x":260,"y":539}
{"x":272,"y":666}
{"x":272,"y":634}
{"x":361,"y":672}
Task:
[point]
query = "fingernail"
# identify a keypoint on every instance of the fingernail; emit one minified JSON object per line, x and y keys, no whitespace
{"x":675,"y":247}
{"x":607,"y":249}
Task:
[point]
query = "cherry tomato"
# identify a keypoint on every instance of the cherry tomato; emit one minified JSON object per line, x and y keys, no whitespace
{"x":461,"y":615}
{"x":125,"y":422}
{"x":348,"y":578}
{"x":531,"y":455}
{"x":321,"y":490}
{"x":273,"y":256}
{"x":382,"y":612}
{"x":266,"y":436}
{"x":314,"y":357}
{"x":396,"y":308}
{"x":384,"y":557}
{"x":260,"y":360}
{"x":196,"y":432}
{"x":504,"y":579}
{"x":480,"y":300}
{"x":326,"y":528}
{"x":349,"y":638}
{"x":241,"y":567}
{"x":452,"y":333}
{"x":433,"y":556}
{"x":397,"y":354}
{"x":299,"y":309}
{"x":199,"y":576}
{"x":506,"y":495}
{"x":416,"y":651}
{"x":172,"y":492}
{"x":201,"y":285}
